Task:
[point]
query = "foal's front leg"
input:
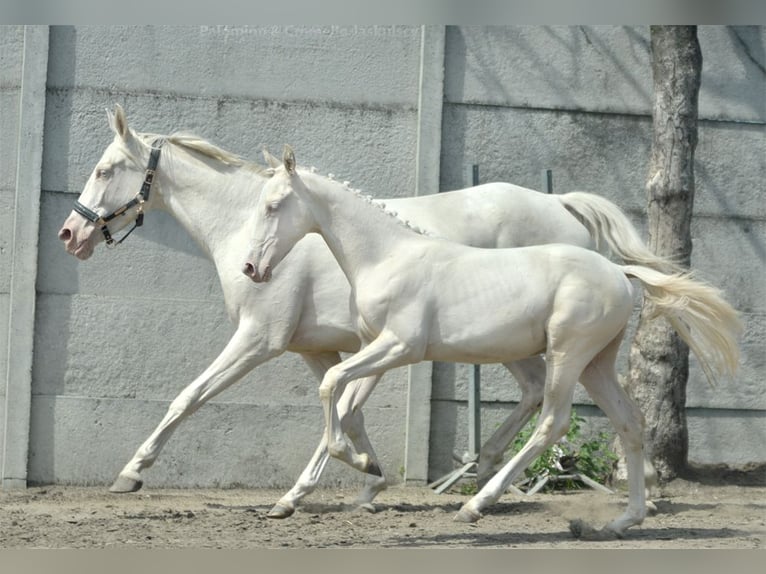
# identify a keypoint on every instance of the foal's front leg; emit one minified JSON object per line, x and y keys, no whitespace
{"x":352,"y":422}
{"x":387,"y":351}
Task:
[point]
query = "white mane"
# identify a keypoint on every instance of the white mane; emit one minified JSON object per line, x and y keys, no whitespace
{"x":372,"y":201}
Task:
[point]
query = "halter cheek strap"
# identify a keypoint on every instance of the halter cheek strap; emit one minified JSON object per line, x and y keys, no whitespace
{"x":141,"y":197}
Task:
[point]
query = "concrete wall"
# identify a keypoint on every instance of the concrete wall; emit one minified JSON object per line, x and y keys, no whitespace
{"x":118,"y":336}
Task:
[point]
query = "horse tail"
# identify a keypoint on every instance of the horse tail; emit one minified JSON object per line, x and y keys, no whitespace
{"x":699,"y":313}
{"x":606,"y":222}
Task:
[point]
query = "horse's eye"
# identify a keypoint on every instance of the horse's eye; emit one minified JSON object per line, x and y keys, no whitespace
{"x":103,"y":173}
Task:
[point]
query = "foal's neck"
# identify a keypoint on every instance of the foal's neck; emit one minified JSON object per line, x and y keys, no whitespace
{"x":360,"y":233}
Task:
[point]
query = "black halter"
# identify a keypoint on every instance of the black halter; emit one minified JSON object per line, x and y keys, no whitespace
{"x":141,"y":197}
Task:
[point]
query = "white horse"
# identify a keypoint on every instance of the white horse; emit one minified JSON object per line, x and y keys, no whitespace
{"x":211,"y":194}
{"x":424,"y":298}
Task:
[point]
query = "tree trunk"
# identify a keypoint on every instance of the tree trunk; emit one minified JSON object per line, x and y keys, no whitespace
{"x":659,"y":359}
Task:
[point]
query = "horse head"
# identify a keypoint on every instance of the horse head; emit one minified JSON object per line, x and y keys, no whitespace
{"x":116,"y":193}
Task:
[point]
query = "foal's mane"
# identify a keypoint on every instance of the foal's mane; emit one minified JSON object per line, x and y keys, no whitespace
{"x":346,"y":186}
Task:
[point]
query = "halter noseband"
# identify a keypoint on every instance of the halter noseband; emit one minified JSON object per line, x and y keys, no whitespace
{"x":140,"y":198}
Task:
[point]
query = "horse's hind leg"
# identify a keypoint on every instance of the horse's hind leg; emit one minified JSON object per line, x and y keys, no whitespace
{"x":242,"y":353}
{"x":600,"y":380}
{"x":530,"y":375}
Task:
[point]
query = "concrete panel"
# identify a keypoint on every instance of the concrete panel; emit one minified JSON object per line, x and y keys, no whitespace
{"x":9,"y":130}
{"x":78,"y":440}
{"x":726,"y":436}
{"x":371,"y":146}
{"x":5,"y":301}
{"x":599,"y":69}
{"x":595,"y":68}
{"x":360,"y":64}
{"x":11,"y":55}
{"x":6,"y":225}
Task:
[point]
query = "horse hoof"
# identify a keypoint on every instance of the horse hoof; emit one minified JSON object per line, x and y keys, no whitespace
{"x":651,"y":508}
{"x":467,"y":516}
{"x":374,"y":469}
{"x":125,"y":484}
{"x":280,"y":511}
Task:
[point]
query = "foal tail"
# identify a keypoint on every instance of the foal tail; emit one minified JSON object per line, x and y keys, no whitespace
{"x":606,"y":222}
{"x":698,"y":312}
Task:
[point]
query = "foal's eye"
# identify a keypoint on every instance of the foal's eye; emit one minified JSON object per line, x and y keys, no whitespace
{"x":103,"y":173}
{"x":271,"y":208}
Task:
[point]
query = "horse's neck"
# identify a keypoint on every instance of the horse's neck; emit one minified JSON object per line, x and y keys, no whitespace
{"x":358,"y":232}
{"x":211,"y":204}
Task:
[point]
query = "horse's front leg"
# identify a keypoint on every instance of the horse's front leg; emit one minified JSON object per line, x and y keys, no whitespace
{"x":387,"y":351}
{"x":243,"y":352}
{"x":352,"y":422}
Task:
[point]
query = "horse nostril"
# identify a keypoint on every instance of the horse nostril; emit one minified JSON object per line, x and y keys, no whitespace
{"x":248,"y":269}
{"x":65,"y":234}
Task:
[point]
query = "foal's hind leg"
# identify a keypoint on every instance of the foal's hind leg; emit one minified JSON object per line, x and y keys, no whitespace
{"x":600,"y":380}
{"x":553,"y":423}
{"x":530,"y":375}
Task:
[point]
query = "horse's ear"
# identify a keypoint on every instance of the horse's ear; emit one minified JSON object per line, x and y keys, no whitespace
{"x":118,"y":122}
{"x":288,"y":159}
{"x":271,"y":161}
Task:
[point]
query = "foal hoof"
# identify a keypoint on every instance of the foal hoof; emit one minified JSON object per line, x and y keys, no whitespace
{"x":583,"y":531}
{"x":374,"y":469}
{"x":365,"y":507}
{"x":467,"y":515}
{"x":280,"y":511}
{"x":125,"y":484}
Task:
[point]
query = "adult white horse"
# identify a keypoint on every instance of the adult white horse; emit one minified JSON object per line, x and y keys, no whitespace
{"x":211,"y":193}
{"x":422,"y":298}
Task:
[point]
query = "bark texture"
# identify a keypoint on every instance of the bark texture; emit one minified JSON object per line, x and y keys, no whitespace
{"x":659,"y":359}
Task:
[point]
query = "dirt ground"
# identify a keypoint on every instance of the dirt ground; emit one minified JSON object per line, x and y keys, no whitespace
{"x":690,"y":515}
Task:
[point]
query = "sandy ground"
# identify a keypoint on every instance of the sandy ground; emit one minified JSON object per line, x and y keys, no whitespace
{"x":690,"y":515}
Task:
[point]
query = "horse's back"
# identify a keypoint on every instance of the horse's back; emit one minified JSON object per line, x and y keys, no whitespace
{"x":494,"y":215}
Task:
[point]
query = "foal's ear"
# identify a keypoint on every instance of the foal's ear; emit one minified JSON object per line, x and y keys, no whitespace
{"x":271,"y":161}
{"x":288,"y":159}
{"x":118,"y":122}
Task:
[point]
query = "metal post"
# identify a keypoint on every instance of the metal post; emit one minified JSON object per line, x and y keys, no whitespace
{"x":547,"y":181}
{"x":474,"y":391}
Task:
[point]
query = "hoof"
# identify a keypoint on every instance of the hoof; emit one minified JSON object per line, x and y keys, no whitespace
{"x":583,"y":531}
{"x":651,"y":508}
{"x":280,"y":511}
{"x":365,"y":507}
{"x":374,"y":469}
{"x":125,"y":484}
{"x":467,"y":516}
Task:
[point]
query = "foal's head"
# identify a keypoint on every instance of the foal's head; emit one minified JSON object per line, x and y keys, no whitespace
{"x":106,"y":204}
{"x":281,"y":218}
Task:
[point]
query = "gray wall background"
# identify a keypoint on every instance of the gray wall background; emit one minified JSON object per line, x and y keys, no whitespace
{"x":91,"y":353}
